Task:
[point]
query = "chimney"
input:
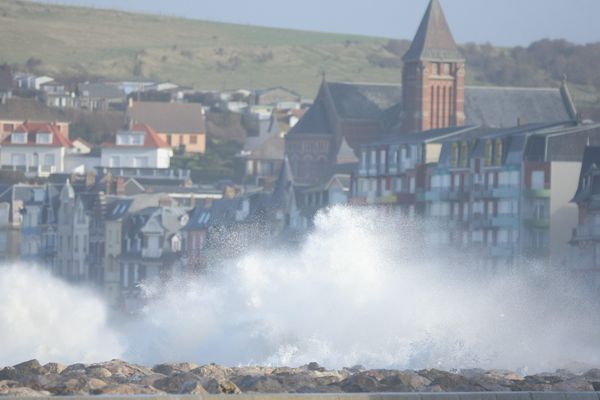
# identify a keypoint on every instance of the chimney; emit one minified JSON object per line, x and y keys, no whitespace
{"x":165,"y":201}
{"x":120,"y":186}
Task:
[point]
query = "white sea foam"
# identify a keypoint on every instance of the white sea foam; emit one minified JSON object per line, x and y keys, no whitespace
{"x":360,"y":290}
{"x":42,"y":317}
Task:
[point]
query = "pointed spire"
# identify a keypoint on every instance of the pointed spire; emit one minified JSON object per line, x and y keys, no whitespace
{"x":283,"y":195}
{"x":433,"y":40}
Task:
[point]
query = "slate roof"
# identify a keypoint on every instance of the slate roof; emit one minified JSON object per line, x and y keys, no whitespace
{"x":32,"y":129}
{"x":118,"y":209}
{"x":501,"y":107}
{"x":169,"y":117}
{"x":100,"y":91}
{"x":363,"y":100}
{"x":591,"y":156}
{"x":220,"y":212}
{"x":433,"y":40}
{"x":314,"y":121}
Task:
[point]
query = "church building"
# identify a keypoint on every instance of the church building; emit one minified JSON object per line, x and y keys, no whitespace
{"x":432,"y":95}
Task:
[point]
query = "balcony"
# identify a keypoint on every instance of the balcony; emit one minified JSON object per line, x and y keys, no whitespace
{"x":537,"y":223}
{"x":457,"y":195}
{"x":537,"y":193}
{"x":388,"y":199}
{"x":437,"y":194}
{"x":587,"y":232}
{"x":505,"y":221}
{"x":504,"y":192}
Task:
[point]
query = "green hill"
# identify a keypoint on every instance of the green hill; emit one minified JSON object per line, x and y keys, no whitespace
{"x":82,"y":42}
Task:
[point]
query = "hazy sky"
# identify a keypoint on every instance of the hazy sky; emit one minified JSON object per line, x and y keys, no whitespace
{"x":502,"y":22}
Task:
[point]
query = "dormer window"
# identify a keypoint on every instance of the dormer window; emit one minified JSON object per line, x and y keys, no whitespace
{"x":18,"y":138}
{"x":130,"y":139}
{"x":43,"y":138}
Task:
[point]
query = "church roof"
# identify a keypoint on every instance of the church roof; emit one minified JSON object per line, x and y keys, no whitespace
{"x":363,"y":100}
{"x":501,"y":107}
{"x":314,"y":121}
{"x":433,"y":40}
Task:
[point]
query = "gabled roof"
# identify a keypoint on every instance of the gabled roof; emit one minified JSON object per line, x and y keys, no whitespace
{"x":151,"y":138}
{"x":314,"y":121}
{"x":169,"y":117}
{"x":32,"y":129}
{"x":433,"y":40}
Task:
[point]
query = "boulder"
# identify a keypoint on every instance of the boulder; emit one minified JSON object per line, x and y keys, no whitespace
{"x":31,"y":367}
{"x":175,"y":383}
{"x":54,"y":368}
{"x":9,"y":373}
{"x":170,"y":369}
{"x":362,"y":382}
{"x":213,"y":371}
{"x":98,"y":372}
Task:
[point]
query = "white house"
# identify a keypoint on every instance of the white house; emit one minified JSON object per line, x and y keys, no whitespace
{"x":140,"y":147}
{"x":37,"y":149}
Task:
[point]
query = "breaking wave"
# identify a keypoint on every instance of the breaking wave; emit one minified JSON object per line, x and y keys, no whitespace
{"x":361,"y":289}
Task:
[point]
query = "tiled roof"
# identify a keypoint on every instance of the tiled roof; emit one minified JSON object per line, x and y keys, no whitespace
{"x":433,"y":40}
{"x":169,"y":117}
{"x":32,"y":129}
{"x":151,"y":138}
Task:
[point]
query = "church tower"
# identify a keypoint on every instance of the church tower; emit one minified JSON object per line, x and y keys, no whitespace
{"x":433,"y":77}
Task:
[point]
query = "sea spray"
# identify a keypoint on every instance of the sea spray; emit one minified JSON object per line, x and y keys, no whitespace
{"x":364,"y":287}
{"x":45,"y":318}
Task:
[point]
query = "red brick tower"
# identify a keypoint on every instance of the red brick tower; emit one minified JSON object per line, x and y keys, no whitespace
{"x":433,"y":78}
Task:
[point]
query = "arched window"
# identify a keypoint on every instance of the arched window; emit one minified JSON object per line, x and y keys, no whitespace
{"x":488,"y":153}
{"x":498,"y":152}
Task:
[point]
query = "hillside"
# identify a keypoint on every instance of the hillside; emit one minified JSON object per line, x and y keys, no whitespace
{"x":83,"y":42}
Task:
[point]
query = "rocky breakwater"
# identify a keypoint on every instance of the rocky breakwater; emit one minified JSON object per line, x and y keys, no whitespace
{"x":118,"y":377}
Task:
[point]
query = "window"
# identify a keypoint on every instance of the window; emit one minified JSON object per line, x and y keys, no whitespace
{"x":454,"y":155}
{"x":193,"y":139}
{"x":18,"y":138}
{"x":43,"y":138}
{"x":7,"y":128}
{"x":137,"y":139}
{"x":373,"y":158}
{"x":18,"y":160}
{"x":169,"y":139}
{"x":498,"y":158}
{"x":464,"y":155}
{"x":140,"y":162}
{"x":114,"y":161}
{"x":48,"y":159}
{"x":488,"y":153}
{"x":537,"y":180}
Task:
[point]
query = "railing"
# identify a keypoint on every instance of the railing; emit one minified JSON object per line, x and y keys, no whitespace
{"x":537,"y":193}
